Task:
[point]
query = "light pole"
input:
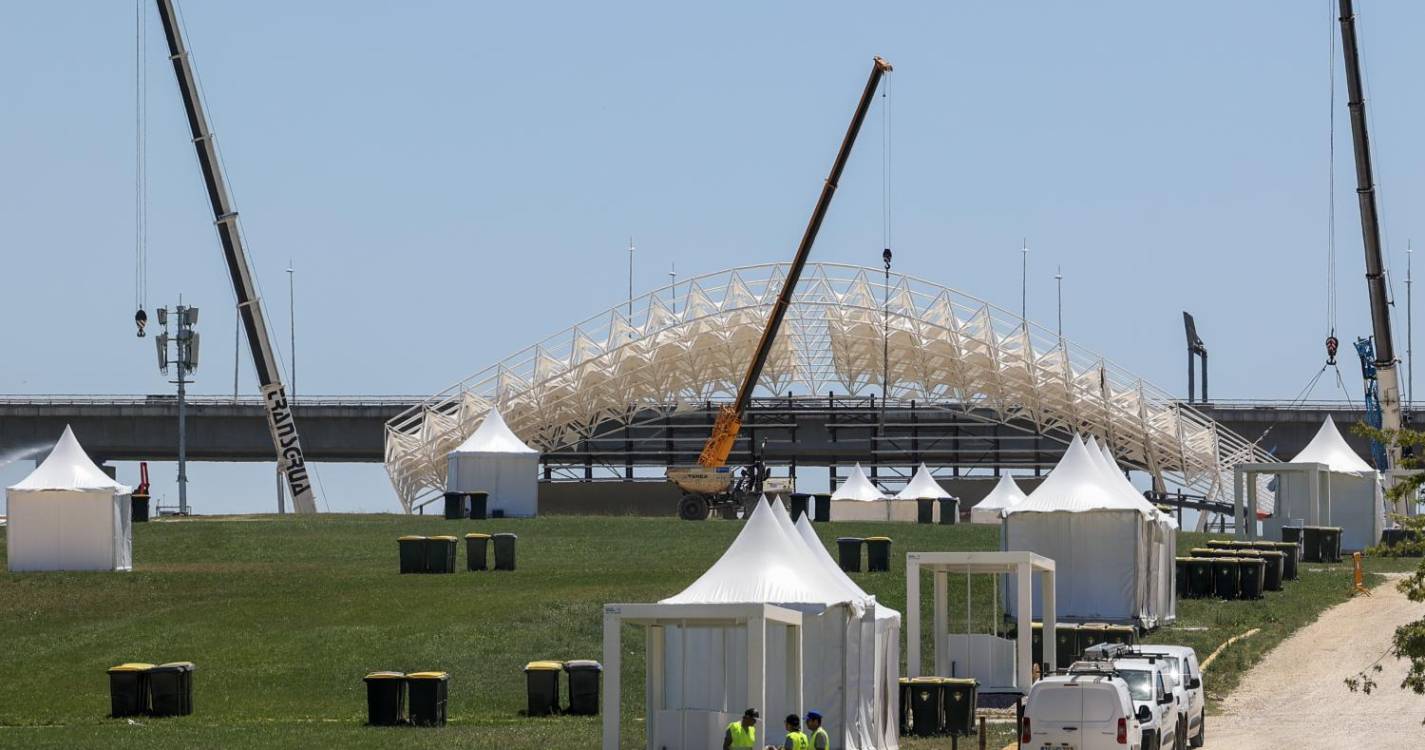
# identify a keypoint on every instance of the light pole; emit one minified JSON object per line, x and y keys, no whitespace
{"x":1024,"y":282}
{"x":630,"y":281}
{"x":1059,"y":285}
{"x":292,"y":328}
{"x":673,"y":286}
{"x":185,"y":359}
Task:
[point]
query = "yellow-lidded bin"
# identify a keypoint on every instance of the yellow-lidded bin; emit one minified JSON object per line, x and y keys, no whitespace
{"x":429,"y":694}
{"x":385,"y":698}
{"x":440,"y":554}
{"x":477,"y":556}
{"x":128,"y":689}
{"x":542,"y":685}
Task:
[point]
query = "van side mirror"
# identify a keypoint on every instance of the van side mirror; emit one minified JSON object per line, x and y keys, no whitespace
{"x":1165,"y":699}
{"x":1194,"y":683}
{"x":1145,"y":715}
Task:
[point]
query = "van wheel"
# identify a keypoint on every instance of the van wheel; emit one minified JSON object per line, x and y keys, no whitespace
{"x":1201,"y":738}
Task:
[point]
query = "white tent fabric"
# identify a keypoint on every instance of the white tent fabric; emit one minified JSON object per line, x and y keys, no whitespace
{"x":859,"y":499}
{"x":1006,"y":494}
{"x":69,"y":515}
{"x":922,"y":485}
{"x":1102,"y":541}
{"x":1353,"y":500}
{"x":1163,"y":547}
{"x":858,"y":487}
{"x":494,"y":460}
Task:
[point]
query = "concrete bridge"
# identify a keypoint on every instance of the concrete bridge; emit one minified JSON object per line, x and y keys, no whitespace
{"x":351,"y":428}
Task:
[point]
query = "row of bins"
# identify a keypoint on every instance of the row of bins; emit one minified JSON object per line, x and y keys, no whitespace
{"x":1319,"y":544}
{"x":1072,"y":639}
{"x":802,"y":503}
{"x":878,"y":553}
{"x":139,"y":689}
{"x":437,"y":554}
{"x":386,"y":702}
{"x":542,"y":686}
{"x":1226,"y":574}
{"x":933,"y":706}
{"x":466,"y":505}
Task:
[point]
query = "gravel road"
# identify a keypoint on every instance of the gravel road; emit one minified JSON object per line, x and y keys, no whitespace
{"x":1295,"y":698}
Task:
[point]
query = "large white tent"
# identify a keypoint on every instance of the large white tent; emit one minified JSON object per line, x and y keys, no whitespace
{"x":990,"y":510}
{"x":1352,"y":497}
{"x":1104,"y":541}
{"x":1162,"y":572}
{"x":922,"y":486}
{"x":859,"y":499}
{"x":699,"y":678}
{"x":494,"y":460}
{"x":68,"y":515}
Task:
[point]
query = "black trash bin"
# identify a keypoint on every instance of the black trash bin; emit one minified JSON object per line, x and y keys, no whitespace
{"x":454,"y":505}
{"x":1252,"y":573}
{"x":413,"y":554}
{"x":949,"y":511}
{"x":1126,"y":635}
{"x":128,"y":689}
{"x":1066,"y":644}
{"x":1200,"y":580}
{"x":799,"y":504}
{"x":848,"y":549}
{"x":505,"y":551}
{"x":476,"y":553}
{"x":925,"y":510}
{"x":904,"y":684}
{"x":440,"y":554}
{"x":878,"y":554}
{"x":429,"y":694}
{"x":1276,"y":565}
{"x":171,"y":689}
{"x":138,"y":508}
{"x":1226,"y":577}
{"x":1291,"y":556}
{"x":479,"y":505}
{"x":925,"y":705}
{"x":1331,"y":544}
{"x":1292,"y":534}
{"x":583,"y":686}
{"x":385,"y":698}
{"x":542,"y":686}
{"x":823,"y":508}
{"x":958,"y":699}
{"x":1180,"y":570}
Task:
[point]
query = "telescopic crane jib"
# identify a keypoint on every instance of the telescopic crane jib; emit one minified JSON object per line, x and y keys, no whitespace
{"x":719,"y":446}
{"x":274,"y":397}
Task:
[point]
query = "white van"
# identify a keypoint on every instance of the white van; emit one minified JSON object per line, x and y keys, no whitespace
{"x":1159,"y":704}
{"x":1080,"y":712}
{"x":1182,"y":662}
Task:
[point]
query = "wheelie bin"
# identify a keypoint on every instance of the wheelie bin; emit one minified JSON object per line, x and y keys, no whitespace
{"x":505,"y":551}
{"x":958,"y":698}
{"x":440,"y":554}
{"x":413,"y":554}
{"x":1200,"y":577}
{"x":584,"y":677}
{"x":542,"y":687}
{"x":1066,"y":644}
{"x":429,"y":693}
{"x":454,"y":505}
{"x":385,"y":698}
{"x":128,"y":689}
{"x":1091,"y":634}
{"x":878,"y":554}
{"x":171,"y":689}
{"x":949,"y":511}
{"x":925,"y":706}
{"x":799,"y":504}
{"x":1226,"y":577}
{"x":479,"y":505}
{"x":925,"y":510}
{"x":1252,"y":574}
{"x":823,"y":508}
{"x":477,"y":555}
{"x":1272,"y":577}
{"x":848,"y":550}
{"x":138,"y":508}
{"x":1331,"y":544}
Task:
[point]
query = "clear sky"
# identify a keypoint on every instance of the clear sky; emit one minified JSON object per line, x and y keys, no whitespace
{"x":454,"y":180}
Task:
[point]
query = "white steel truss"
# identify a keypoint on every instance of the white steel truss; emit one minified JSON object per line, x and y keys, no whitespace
{"x":689,"y":343}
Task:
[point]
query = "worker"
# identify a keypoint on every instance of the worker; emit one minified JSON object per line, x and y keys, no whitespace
{"x":742,"y":733}
{"x":820,"y":740}
{"x":795,"y":739}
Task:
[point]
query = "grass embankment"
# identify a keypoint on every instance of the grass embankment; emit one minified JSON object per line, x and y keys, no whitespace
{"x":283,"y":616}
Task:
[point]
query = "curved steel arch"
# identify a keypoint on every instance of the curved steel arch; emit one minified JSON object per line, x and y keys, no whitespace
{"x":689,"y":343}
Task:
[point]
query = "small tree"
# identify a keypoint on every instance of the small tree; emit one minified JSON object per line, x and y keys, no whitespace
{"x":1409,"y":640}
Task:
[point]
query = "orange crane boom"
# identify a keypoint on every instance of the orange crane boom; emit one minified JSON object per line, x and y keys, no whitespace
{"x":729,"y":417}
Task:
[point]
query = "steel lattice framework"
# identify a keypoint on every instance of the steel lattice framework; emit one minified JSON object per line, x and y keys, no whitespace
{"x":689,"y":343}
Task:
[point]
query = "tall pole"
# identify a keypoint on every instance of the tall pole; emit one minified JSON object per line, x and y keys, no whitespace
{"x":237,"y":324}
{"x":292,"y":327}
{"x":1409,"y":331}
{"x":1024,"y":282}
{"x":1059,"y":284}
{"x":182,"y":413}
{"x":630,"y":280}
{"x":673,"y":286}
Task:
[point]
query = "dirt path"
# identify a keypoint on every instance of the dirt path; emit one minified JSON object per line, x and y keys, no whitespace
{"x":1295,"y":698}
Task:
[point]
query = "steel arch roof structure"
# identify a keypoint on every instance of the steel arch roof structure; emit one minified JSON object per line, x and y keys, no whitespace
{"x":690,"y":342}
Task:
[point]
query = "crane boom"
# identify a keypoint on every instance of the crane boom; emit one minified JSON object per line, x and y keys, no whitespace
{"x":1387,"y":376}
{"x":280,"y":421}
{"x":729,"y":418}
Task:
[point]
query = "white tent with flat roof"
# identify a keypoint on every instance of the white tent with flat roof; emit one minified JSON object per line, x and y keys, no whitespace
{"x":1006,"y":494}
{"x":494,"y":460}
{"x":1352,"y":497}
{"x":68,"y":515}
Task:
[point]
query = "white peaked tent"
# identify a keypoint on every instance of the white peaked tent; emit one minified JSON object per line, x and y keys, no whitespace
{"x":1006,"y":494}
{"x":859,"y":499}
{"x":922,"y":485}
{"x":69,"y":515}
{"x":1101,"y":541}
{"x":1163,"y":602}
{"x":494,"y":460}
{"x":1352,"y":497}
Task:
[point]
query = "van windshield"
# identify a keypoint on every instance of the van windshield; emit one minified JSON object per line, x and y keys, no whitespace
{"x":1140,"y":683}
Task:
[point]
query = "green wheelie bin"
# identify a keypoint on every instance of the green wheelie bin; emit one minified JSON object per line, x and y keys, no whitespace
{"x":958,"y":699}
{"x":1200,"y":577}
{"x":128,"y":689}
{"x":429,"y":693}
{"x":1066,"y":644}
{"x":385,"y":698}
{"x":926,"y":702}
{"x":171,"y":689}
{"x":440,"y":554}
{"x":878,"y":554}
{"x":477,"y":555}
{"x":1252,"y":574}
{"x":413,"y":554}
{"x":542,"y":687}
{"x":848,"y":550}
{"x":1226,"y":577}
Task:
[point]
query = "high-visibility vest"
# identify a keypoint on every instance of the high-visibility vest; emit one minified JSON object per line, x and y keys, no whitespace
{"x":799,"y":741}
{"x":820,"y":733}
{"x":742,"y":736}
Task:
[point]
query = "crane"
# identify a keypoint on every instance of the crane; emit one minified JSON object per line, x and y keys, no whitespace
{"x":712,"y":482}
{"x":1386,"y":385}
{"x":280,"y":420}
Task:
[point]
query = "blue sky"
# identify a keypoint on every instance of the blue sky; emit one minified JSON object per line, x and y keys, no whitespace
{"x":454,"y":180}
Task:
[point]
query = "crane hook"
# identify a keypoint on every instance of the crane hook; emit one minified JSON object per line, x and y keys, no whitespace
{"x":140,"y":320}
{"x":1331,"y":346}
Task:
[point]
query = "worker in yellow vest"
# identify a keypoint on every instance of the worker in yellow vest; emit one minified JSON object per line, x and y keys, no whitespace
{"x":742,"y":733}
{"x":795,"y":739}
{"x":820,"y":740}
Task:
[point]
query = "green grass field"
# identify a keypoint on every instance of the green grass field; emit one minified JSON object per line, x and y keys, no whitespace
{"x":283,"y":616}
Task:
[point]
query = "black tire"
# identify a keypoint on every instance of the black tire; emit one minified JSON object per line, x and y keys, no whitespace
{"x":1201,"y":738}
{"x":693,"y":508}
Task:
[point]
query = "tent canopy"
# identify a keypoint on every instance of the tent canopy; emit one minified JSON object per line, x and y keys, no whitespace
{"x":1077,"y":485}
{"x":1328,"y":447}
{"x":1006,"y":494}
{"x":493,"y":436}
{"x":858,"y":487}
{"x":69,"y":469}
{"x":922,"y":485}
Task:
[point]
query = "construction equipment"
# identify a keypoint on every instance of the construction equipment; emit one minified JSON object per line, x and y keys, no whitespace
{"x":712,"y":484}
{"x":274,"y":396}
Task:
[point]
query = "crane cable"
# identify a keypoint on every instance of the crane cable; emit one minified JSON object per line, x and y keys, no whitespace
{"x":140,"y":167}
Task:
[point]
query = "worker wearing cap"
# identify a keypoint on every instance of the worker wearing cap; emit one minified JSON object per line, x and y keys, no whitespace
{"x":820,"y":740}
{"x":795,"y":739}
{"x":742,"y":733}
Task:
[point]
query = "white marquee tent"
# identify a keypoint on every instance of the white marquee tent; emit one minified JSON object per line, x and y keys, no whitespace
{"x":1006,"y":494}
{"x":701,"y":670}
{"x":1163,"y":601}
{"x":1106,"y":544}
{"x":494,"y":460}
{"x":922,"y":486}
{"x":1352,"y":499}
{"x":859,"y":499}
{"x":69,"y":515}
